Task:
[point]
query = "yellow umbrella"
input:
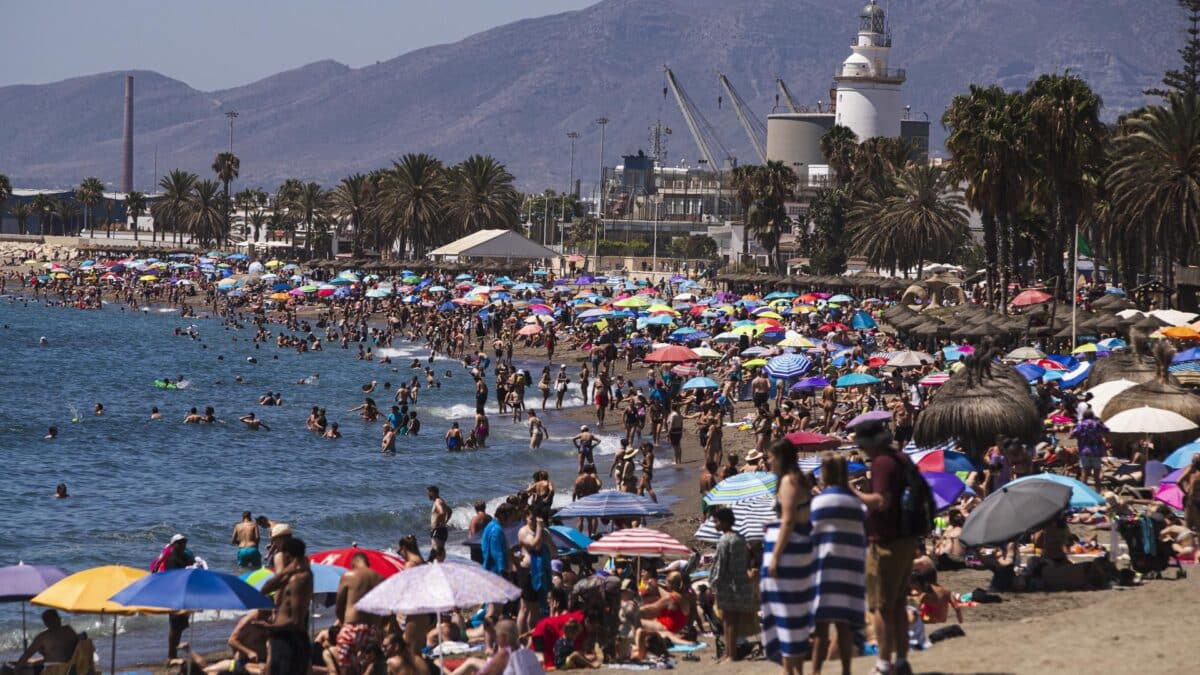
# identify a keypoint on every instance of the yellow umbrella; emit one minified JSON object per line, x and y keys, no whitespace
{"x":279,"y":296}
{"x":62,"y":275}
{"x":634,"y":302}
{"x":1089,"y":348}
{"x":749,"y":330}
{"x":88,"y":592}
{"x":768,"y":315}
{"x":707,"y":353}
{"x":147,"y":277}
{"x":663,"y":309}
{"x":274,"y":263}
{"x":798,"y":342}
{"x":755,"y":363}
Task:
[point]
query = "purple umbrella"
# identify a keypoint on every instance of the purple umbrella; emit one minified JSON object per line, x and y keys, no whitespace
{"x":811,"y":383}
{"x":946,"y":487}
{"x":19,"y":583}
{"x":873,"y":416}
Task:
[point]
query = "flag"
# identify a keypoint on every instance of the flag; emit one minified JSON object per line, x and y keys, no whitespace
{"x":1082,"y":247}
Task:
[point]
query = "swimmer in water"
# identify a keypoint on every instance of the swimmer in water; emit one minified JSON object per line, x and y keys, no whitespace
{"x":60,"y":492}
{"x":154,"y":414}
{"x":368,"y":388}
{"x":193,"y":417}
{"x":252,"y":423}
{"x":43,"y":341}
{"x":332,"y":432}
{"x":51,"y":434}
{"x":99,"y":409}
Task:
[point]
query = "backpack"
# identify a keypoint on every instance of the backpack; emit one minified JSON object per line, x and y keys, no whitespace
{"x":160,"y":563}
{"x":917,"y":508}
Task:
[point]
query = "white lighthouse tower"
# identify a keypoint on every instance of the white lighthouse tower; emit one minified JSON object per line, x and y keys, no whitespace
{"x":868,"y":91}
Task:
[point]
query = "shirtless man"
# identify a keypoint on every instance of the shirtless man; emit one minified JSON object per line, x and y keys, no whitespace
{"x":828,"y":406}
{"x":360,"y":631}
{"x":586,"y":484}
{"x":245,"y":538}
{"x":252,"y":423}
{"x":760,"y":389}
{"x":439,"y":519}
{"x":56,"y":644}
{"x":193,"y":417}
{"x":292,"y":587}
{"x":248,"y":639}
{"x":387,"y":445}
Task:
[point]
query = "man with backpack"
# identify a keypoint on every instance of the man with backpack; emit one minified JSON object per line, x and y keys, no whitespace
{"x":899,"y":505}
{"x":175,"y":556}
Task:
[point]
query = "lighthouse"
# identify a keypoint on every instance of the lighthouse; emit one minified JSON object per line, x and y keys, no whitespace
{"x":868,"y":90}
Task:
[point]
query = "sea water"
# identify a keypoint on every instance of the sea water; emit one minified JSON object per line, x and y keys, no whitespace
{"x":135,"y":482}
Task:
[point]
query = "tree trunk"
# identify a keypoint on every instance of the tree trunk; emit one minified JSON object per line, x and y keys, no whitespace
{"x":990,"y":254}
{"x":1005,"y":238}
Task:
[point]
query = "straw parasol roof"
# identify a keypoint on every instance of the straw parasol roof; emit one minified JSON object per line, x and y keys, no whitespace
{"x":978,"y":403}
{"x":1134,"y":365}
{"x":1113,"y":303}
{"x":1162,"y":391}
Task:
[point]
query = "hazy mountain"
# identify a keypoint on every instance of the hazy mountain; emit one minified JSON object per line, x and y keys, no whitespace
{"x":515,"y":91}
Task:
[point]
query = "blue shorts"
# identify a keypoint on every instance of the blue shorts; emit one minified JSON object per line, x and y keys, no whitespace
{"x":1089,"y":462}
{"x":249,"y":557}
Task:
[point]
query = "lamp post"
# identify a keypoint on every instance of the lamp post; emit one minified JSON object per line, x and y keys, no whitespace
{"x":231,"y":115}
{"x":603,"y":122}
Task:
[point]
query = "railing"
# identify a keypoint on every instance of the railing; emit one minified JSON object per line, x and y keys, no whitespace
{"x":887,"y":74}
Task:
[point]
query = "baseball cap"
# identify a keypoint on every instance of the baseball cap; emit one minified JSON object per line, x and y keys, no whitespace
{"x":177,"y":538}
{"x":583,"y":427}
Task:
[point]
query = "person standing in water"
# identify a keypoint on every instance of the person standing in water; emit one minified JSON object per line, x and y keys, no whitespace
{"x":245,"y":538}
{"x":252,"y":423}
{"x":439,"y":520}
{"x":537,"y":431}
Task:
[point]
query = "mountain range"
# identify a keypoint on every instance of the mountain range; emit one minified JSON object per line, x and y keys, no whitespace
{"x":515,"y":91}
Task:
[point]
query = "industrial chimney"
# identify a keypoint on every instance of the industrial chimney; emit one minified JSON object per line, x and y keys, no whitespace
{"x":127,"y":144}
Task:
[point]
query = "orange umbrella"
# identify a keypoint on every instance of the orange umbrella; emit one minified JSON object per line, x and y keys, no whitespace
{"x":1181,"y":333}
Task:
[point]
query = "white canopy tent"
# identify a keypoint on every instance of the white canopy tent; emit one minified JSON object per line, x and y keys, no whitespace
{"x":500,"y":244}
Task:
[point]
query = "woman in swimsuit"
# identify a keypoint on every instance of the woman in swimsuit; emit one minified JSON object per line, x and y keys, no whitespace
{"x":544,"y":385}
{"x":668,"y":614}
{"x":481,"y":429}
{"x":560,"y":387}
{"x":537,"y":431}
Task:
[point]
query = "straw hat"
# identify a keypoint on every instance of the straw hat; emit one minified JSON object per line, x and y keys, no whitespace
{"x":753,"y":456}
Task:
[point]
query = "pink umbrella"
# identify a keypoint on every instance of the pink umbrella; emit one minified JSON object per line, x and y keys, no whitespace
{"x":1170,"y":494}
{"x":639,"y":541}
{"x":296,"y":291}
{"x":531,"y":329}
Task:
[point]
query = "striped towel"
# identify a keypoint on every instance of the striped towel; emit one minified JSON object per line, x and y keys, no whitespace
{"x":787,"y":598}
{"x":840,"y":553}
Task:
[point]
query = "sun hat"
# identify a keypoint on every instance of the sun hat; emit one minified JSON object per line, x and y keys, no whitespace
{"x":280,"y":530}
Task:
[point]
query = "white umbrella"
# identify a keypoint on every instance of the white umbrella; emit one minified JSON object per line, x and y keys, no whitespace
{"x":437,"y":587}
{"x":1174,"y":316}
{"x":1103,"y":393}
{"x":1147,"y":420}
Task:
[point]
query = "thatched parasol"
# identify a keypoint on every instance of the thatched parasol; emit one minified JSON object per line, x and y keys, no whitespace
{"x":977,"y":404}
{"x":1162,"y":391}
{"x":1113,"y":303}
{"x":1135,"y":365}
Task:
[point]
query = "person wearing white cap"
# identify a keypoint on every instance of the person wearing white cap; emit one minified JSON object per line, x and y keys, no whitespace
{"x":584,"y":442}
{"x":178,"y":557}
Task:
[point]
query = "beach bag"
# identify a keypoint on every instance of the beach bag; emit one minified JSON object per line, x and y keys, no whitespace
{"x":917,"y":508}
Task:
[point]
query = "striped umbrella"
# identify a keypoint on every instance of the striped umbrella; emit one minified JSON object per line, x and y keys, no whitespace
{"x":750,"y":518}
{"x":934,"y":380}
{"x":385,"y":563}
{"x":742,"y":486}
{"x":613,"y":504}
{"x":788,"y":366}
{"x":639,"y":541}
{"x":686,"y":370}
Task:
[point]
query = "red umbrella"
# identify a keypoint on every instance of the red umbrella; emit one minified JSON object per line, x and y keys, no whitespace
{"x":834,"y":326}
{"x":386,"y":564}
{"x":672,"y":354}
{"x":1031,"y":297}
{"x":807,"y":440}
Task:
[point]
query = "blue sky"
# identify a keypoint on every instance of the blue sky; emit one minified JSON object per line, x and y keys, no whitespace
{"x":213,"y":44}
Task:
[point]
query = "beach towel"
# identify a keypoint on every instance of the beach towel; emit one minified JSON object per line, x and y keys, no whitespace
{"x":839,"y":557}
{"x":787,"y":598}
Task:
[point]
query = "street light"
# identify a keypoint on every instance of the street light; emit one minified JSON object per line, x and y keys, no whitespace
{"x":231,"y":115}
{"x":603,"y":122}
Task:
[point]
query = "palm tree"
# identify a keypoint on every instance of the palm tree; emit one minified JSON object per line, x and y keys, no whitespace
{"x":176,"y":189}
{"x":89,"y":193}
{"x":1155,"y":177}
{"x":775,"y":185}
{"x":43,"y":205}
{"x":481,"y":195}
{"x":412,"y":197}
{"x":257,"y":219}
{"x":135,"y":206}
{"x":284,"y":196}
{"x":21,"y":212}
{"x":923,"y":217}
{"x":309,"y":201}
{"x":66,"y":212}
{"x":838,"y":147}
{"x":243,"y":201}
{"x":351,"y":200}
{"x":204,"y":213}
{"x":226,"y":166}
{"x":1065,"y":115}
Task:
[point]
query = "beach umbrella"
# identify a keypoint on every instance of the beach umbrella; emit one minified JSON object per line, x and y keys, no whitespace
{"x":672,"y":354}
{"x":435,"y":588}
{"x":1170,"y":494}
{"x":1182,"y":456}
{"x":613,"y":504}
{"x":21,"y":582}
{"x":1113,"y":344}
{"x":946,"y":487}
{"x":856,"y":380}
{"x":755,"y":363}
{"x":1013,"y":510}
{"x":750,"y":519}
{"x":1082,"y":496}
{"x":934,"y":379}
{"x":862,"y":321}
{"x":727,"y":337}
{"x":641,"y":542}
{"x":88,"y":592}
{"x":686,"y":370}
{"x":909,"y":359}
{"x":1025,"y":354}
{"x":942,"y":460}
{"x":1031,"y":297}
{"x":1087,"y":348}
{"x":742,"y":486}
{"x":810,"y":383}
{"x":190,"y":590}
{"x":1105,"y":392}
{"x":701,"y":383}
{"x":1030,"y":371}
{"x":385,"y":563}
{"x":810,"y":441}
{"x":841,"y":298}
{"x":707,"y":353}
{"x":531,"y":329}
{"x":1148,"y":420}
{"x":788,"y":366}
{"x":796,"y":342}
{"x":326,"y":578}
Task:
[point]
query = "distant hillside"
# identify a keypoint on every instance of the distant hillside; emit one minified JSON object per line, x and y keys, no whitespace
{"x":515,"y":91}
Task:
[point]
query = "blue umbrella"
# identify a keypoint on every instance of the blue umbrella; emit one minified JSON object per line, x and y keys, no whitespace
{"x":1115,"y":291}
{"x":810,"y":383}
{"x":946,"y":487}
{"x":190,"y":590}
{"x":863,"y":321}
{"x":447,"y":307}
{"x":1030,"y":371}
{"x":788,"y":366}
{"x":1183,"y":456}
{"x":841,"y":298}
{"x":576,"y":540}
{"x":701,"y":383}
{"x":1082,"y":496}
{"x":613,"y":504}
{"x":856,"y":380}
{"x":326,"y":578}
{"x":1189,"y":354}
{"x":1075,"y":376}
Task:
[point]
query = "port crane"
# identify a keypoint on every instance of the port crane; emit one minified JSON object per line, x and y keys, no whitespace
{"x":702,"y":130}
{"x":787,"y":96}
{"x":754,"y":127}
